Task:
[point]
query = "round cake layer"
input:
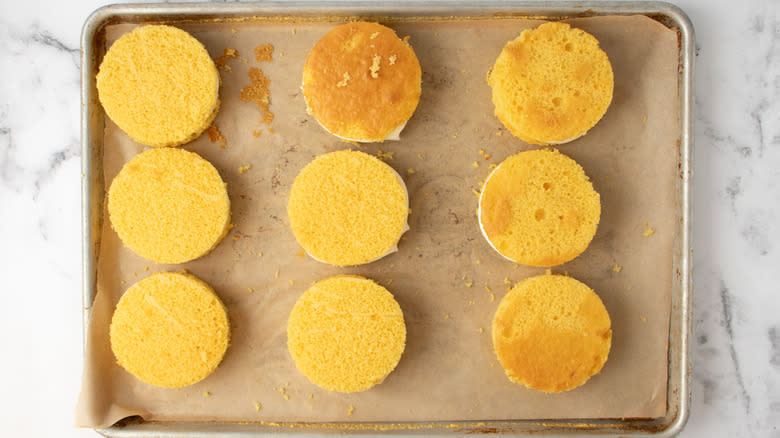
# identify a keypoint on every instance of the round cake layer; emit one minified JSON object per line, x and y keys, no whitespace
{"x":170,"y":330}
{"x":169,"y":205}
{"x":551,"y":84}
{"x":539,"y":208}
{"x":551,"y":333}
{"x":159,"y":85}
{"x":346,"y":333}
{"x":347,"y":208}
{"x":361,"y":82}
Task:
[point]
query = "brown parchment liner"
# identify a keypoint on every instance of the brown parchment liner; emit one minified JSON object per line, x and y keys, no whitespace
{"x":448,"y":371}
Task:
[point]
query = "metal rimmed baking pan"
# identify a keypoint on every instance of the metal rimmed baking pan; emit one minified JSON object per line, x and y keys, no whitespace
{"x":93,"y":193}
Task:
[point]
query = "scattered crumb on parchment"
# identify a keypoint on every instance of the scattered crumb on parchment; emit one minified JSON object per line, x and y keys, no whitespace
{"x":475,"y":164}
{"x":446,"y":316}
{"x":648,"y":231}
{"x":300,"y":254}
{"x":469,"y":283}
{"x":206,"y":394}
{"x":481,"y":330}
{"x":487,"y":288}
{"x":257,"y":132}
{"x":410,"y":171}
{"x":243,"y":169}
{"x":216,"y":136}
{"x":479,"y":262}
{"x":264,"y":52}
{"x":351,"y":410}
{"x":487,"y":157}
{"x":276,"y":274}
{"x":258,"y":406}
{"x":250,"y":289}
{"x":643,"y":318}
{"x":221,"y":60}
{"x":257,"y":92}
{"x":492,"y":298}
{"x":384,"y":155}
{"x":617,"y":268}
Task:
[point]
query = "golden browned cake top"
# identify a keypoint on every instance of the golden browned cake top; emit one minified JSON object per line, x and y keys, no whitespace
{"x":361,"y":82}
{"x":169,"y":205}
{"x":551,"y":333}
{"x":539,"y":208}
{"x":170,"y":330}
{"x":348,"y":208}
{"x":551,"y":84}
{"x":159,"y":85}
{"x":346,"y":333}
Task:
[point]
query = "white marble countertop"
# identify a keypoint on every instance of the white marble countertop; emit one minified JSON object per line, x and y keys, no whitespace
{"x":736,"y":341}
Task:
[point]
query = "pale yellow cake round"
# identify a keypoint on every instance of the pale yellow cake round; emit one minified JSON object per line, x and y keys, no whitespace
{"x":170,"y":330}
{"x":169,"y":205}
{"x":551,"y":333}
{"x":346,"y":333}
{"x":552,"y":84}
{"x":348,"y":208}
{"x":159,"y":85}
{"x":539,"y":208}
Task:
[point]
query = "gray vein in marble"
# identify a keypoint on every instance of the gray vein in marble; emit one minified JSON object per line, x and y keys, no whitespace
{"x":9,"y":168}
{"x":774,"y":342}
{"x":733,"y":190}
{"x":725,"y":300}
{"x":46,"y":39}
{"x":56,"y":160}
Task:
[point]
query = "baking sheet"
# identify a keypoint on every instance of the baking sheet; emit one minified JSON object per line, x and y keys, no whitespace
{"x":448,"y":371}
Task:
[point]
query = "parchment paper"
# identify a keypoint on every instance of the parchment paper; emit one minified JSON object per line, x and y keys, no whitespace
{"x":448,"y":370}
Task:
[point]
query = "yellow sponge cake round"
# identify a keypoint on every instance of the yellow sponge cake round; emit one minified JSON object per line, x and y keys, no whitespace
{"x":170,"y":330}
{"x":551,"y":84}
{"x":159,"y":85}
{"x":361,"y":82}
{"x":551,"y":333}
{"x":347,"y":208}
{"x":169,"y":205}
{"x":346,"y":333}
{"x":539,"y":208}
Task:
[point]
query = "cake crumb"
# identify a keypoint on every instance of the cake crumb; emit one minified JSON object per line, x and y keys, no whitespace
{"x":351,"y":410}
{"x":644,"y":319}
{"x":233,"y":30}
{"x":475,"y":164}
{"x":221,"y":61}
{"x":292,"y":282}
{"x":479,"y":262}
{"x":258,"y":406}
{"x":469,"y":283}
{"x":276,"y":274}
{"x":389,"y":282}
{"x":259,"y":253}
{"x":487,"y":157}
{"x":257,"y":132}
{"x":648,"y":232}
{"x":271,"y":131}
{"x":250,"y":290}
{"x":374,"y":35}
{"x":236,"y":238}
{"x":482,"y":152}
{"x":311,"y":396}
{"x":481,"y":330}
{"x":121,"y":282}
{"x":410,"y":211}
{"x":293,"y":31}
{"x":475,"y":191}
{"x":548,"y":272}
{"x":507,"y":280}
{"x":375,"y":66}
{"x":286,"y":397}
{"x":344,"y":81}
{"x":243,"y":169}
{"x":617,"y":268}
{"x":392,"y":59}
{"x":499,"y":133}
{"x":410,"y":171}
{"x":264,"y":53}
{"x":146,"y":269}
{"x":384,"y":155}
{"x":257,"y":91}
{"x":471,"y":302}
{"x":644,"y":119}
{"x":487,"y":289}
{"x":446,"y":316}
{"x":420,"y":156}
{"x":300,"y":254}
{"x":206,"y":394}
{"x":629,"y":288}
{"x":216,"y":136}
{"x":455,"y":135}
{"x":492,"y":298}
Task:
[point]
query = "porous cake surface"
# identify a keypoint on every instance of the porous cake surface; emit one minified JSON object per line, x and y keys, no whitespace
{"x":170,"y":330}
{"x":552,"y":84}
{"x":539,"y":208}
{"x":361,"y":82}
{"x":346,"y":333}
{"x":159,"y":85}
{"x":348,"y":208}
{"x":169,"y":205}
{"x":551,"y":333}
